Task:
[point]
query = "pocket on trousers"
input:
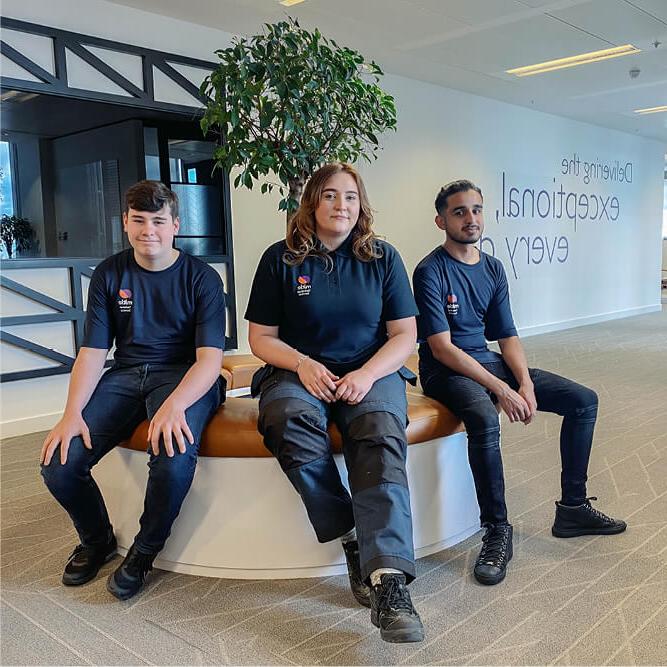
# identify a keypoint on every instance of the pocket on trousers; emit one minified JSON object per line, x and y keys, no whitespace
{"x":408,"y":375}
{"x":259,"y":377}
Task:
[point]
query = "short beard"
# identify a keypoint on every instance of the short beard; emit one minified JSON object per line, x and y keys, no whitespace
{"x":466,"y":241}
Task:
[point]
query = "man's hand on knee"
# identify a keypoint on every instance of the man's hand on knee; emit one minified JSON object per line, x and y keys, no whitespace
{"x":169,"y":422}
{"x":61,"y":434}
{"x":527,"y":392}
{"x":513,"y":404}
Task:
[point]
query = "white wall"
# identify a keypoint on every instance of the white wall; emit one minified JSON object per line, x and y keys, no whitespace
{"x":611,"y":268}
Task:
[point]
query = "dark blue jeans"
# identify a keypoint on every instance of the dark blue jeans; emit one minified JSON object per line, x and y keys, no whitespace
{"x":294,"y":425}
{"x":475,"y":406}
{"x":123,"y":399}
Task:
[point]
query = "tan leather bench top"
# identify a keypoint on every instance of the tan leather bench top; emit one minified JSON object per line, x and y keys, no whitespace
{"x":241,"y":368}
{"x":233,"y":430}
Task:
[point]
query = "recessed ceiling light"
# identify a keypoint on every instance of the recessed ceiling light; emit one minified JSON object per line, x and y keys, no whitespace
{"x":652,"y":109}
{"x":289,"y":3}
{"x":573,"y":61}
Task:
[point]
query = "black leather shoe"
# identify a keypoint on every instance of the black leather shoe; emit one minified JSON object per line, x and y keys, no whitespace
{"x":359,"y":589}
{"x":496,"y":553}
{"x":85,"y":562}
{"x":584,"y":519}
{"x":393,"y":612}
{"x":129,"y":578}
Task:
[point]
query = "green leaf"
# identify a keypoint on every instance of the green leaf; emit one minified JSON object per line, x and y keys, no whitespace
{"x":286,"y":100}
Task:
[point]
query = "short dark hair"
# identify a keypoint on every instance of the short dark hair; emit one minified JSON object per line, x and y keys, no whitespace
{"x":150,"y":196}
{"x":453,"y":188}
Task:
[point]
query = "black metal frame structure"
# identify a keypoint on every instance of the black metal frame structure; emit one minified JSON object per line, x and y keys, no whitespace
{"x":57,"y":84}
{"x":65,"y":312}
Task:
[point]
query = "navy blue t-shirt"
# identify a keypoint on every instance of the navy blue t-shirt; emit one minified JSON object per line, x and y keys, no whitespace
{"x":471,"y":301}
{"x":155,"y":316}
{"x":337,"y":317}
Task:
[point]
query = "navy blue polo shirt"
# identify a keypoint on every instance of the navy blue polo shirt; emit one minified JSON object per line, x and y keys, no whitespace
{"x":336,"y":316}
{"x":156,"y":317}
{"x":471,"y":301}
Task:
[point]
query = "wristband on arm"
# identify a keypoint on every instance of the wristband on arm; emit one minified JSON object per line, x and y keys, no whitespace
{"x":302,"y":357}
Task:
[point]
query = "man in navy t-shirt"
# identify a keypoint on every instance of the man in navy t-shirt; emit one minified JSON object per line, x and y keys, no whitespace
{"x":463,"y":301}
{"x":165,"y":312}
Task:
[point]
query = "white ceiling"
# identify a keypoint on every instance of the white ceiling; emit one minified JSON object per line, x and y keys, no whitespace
{"x":467,"y":45}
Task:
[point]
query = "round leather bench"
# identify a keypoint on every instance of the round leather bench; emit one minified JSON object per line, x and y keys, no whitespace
{"x":242,"y":519}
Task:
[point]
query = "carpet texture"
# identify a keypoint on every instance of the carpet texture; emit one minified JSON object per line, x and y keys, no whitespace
{"x":582,"y":601}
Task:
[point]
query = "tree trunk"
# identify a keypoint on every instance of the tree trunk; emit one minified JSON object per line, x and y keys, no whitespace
{"x":295,"y":191}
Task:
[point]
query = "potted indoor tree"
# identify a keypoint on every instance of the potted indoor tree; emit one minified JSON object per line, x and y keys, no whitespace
{"x":286,"y":101}
{"x":15,"y":230}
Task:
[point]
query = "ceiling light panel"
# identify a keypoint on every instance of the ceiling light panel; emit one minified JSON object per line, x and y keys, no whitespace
{"x":573,"y":61}
{"x":652,"y":110}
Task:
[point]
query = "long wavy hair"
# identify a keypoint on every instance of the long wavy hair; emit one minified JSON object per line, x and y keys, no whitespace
{"x":301,"y":236}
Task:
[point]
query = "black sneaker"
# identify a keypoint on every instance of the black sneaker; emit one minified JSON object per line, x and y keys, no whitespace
{"x":392,"y":611}
{"x":85,"y":562}
{"x":584,"y":519}
{"x":128,"y":579}
{"x":496,"y":553}
{"x":359,"y":589}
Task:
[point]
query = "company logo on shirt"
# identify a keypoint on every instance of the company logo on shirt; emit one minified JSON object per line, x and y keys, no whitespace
{"x":452,"y":306}
{"x":303,"y":286}
{"x":125,"y":302}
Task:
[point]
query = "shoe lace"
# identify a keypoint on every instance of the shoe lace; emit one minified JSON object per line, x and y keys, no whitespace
{"x":79,"y":549}
{"x":394,"y":594}
{"x":596,"y":513}
{"x":139,"y":563}
{"x":494,"y":546}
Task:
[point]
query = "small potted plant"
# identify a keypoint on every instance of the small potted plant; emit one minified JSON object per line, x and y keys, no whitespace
{"x":15,"y":230}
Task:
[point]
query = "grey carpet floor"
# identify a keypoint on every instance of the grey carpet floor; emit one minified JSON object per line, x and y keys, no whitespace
{"x":583,"y":601}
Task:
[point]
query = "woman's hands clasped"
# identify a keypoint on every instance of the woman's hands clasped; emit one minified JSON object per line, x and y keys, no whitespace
{"x":352,"y":388}
{"x":328,"y":387}
{"x":317,"y":379}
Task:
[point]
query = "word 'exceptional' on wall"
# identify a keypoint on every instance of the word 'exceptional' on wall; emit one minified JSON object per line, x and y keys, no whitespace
{"x":557,"y":204}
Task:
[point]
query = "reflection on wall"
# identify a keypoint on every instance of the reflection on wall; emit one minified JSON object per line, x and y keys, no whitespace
{"x":6,"y":196}
{"x":87,"y":206}
{"x":201,"y":216}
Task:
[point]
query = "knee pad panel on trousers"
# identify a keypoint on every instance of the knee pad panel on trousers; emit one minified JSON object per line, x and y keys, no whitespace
{"x":375,"y":451}
{"x":294,"y":431}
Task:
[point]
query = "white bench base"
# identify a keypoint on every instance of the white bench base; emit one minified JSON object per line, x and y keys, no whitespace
{"x":243,"y":520}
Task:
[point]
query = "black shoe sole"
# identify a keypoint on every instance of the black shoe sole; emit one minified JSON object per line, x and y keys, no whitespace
{"x":398,"y":635}
{"x":121,"y":593}
{"x":91,"y":575}
{"x":492,"y":581}
{"x":579,"y":532}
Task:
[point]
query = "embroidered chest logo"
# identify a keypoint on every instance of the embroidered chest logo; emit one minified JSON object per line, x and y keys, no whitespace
{"x":303,"y":286}
{"x":452,"y":306}
{"x":125,"y":302}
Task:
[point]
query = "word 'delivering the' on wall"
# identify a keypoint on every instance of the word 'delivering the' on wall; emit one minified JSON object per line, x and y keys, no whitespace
{"x":545,"y":219}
